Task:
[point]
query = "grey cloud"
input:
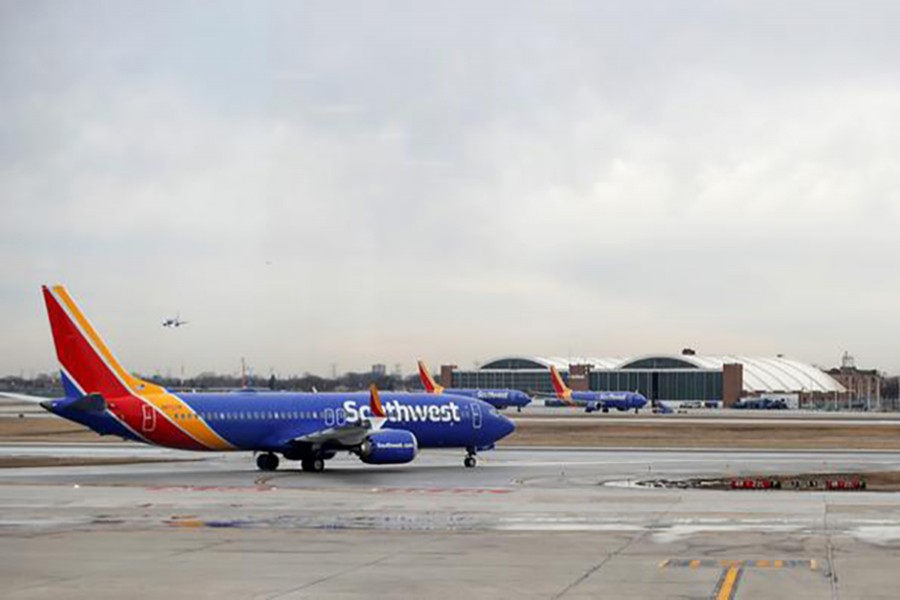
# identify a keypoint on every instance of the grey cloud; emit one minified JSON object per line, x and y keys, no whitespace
{"x":314,"y":183}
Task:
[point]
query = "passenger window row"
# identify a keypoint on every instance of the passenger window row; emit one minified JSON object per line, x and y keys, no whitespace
{"x":249,"y":416}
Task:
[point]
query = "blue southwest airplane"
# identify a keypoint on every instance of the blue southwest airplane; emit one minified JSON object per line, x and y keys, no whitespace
{"x":593,"y":401}
{"x":502,"y":398}
{"x":387,"y":428}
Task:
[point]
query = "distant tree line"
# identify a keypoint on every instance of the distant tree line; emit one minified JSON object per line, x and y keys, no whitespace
{"x":42,"y":384}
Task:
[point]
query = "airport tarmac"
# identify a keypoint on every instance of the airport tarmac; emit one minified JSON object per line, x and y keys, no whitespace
{"x":530,"y":523}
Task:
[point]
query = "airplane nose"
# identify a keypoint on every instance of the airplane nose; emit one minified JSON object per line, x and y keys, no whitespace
{"x":506,"y":426}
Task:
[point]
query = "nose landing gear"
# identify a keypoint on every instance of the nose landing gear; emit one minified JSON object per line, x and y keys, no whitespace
{"x":470,"y":460}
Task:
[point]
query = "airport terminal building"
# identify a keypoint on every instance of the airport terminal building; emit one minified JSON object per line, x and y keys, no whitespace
{"x":678,"y":378}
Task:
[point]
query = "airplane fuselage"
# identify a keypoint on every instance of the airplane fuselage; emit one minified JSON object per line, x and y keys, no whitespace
{"x":593,"y":401}
{"x":272,"y":421}
{"x":610,"y":400}
{"x":501,"y":398}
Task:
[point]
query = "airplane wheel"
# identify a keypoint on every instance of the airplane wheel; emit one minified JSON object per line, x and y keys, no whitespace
{"x":313,"y":465}
{"x":470,"y":462}
{"x":267,"y":462}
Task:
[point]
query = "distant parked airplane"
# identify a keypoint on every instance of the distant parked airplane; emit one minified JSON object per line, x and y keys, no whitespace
{"x":499,"y":398}
{"x":592,"y":401}
{"x":379,"y":428}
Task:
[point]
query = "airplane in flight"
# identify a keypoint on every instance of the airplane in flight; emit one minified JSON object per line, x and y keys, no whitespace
{"x":174,"y":323}
{"x":379,"y":428}
{"x":501,"y":398}
{"x":593,"y":401}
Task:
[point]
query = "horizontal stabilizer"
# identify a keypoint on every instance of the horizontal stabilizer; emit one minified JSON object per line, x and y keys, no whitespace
{"x":10,"y":397}
{"x":89,"y":403}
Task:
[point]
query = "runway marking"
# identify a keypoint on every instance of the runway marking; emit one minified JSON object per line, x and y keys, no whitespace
{"x":727,"y":584}
{"x":193,"y":523}
{"x":208,"y":488}
{"x":437,"y":490}
{"x":733,"y":569}
{"x":694,"y":563}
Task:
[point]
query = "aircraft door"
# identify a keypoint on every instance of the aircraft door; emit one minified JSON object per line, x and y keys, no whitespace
{"x":476,"y":416}
{"x":148,"y":421}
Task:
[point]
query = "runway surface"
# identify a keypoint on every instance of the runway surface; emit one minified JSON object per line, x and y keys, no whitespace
{"x":526,"y":523}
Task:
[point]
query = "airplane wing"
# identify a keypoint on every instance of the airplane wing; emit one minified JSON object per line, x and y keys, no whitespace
{"x":350,"y":434}
{"x":11,"y":397}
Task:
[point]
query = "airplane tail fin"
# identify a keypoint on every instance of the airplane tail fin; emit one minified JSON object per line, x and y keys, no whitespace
{"x":87,"y":364}
{"x":562,"y":390}
{"x":431,"y":386}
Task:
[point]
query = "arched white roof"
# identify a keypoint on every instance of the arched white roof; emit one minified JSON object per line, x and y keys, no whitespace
{"x":761,"y":374}
{"x":561,"y":363}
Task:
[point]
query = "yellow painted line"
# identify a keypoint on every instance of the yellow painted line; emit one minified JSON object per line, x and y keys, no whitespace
{"x":729,"y":563}
{"x":191,"y":523}
{"x":727,"y":589}
{"x":725,"y":563}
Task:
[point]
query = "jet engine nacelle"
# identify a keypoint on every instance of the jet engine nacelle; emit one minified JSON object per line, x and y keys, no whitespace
{"x":388,"y":447}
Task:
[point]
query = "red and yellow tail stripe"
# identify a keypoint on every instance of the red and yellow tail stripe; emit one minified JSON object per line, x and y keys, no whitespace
{"x":562,"y":390}
{"x":145,"y":408}
{"x":431,"y":386}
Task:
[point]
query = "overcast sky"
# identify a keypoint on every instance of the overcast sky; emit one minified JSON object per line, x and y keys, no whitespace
{"x":318,"y":183}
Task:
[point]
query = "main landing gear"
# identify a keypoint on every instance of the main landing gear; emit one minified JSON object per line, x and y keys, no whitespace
{"x":314,"y":464}
{"x":470,"y":460}
{"x":267,"y":462}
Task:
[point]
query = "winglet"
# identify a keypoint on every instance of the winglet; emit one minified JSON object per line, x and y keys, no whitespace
{"x":375,"y":402}
{"x":562,"y":390}
{"x":431,"y":386}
